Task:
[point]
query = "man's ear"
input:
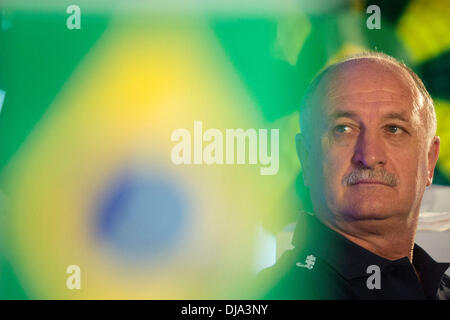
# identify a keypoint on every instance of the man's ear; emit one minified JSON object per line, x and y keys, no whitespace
{"x":303,"y":156}
{"x":433,"y":154}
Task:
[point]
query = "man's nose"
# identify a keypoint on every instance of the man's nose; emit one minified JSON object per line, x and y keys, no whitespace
{"x":369,"y":150}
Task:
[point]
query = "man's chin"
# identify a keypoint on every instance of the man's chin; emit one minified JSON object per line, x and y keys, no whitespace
{"x":370,"y":203}
{"x":368,"y":211}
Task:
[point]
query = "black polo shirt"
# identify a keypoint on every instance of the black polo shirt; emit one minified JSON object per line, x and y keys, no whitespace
{"x":326,"y":265}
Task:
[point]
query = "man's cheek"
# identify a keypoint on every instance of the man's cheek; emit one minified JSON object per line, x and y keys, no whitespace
{"x":410,"y":167}
{"x":335,"y":164}
{"x":332,"y":176}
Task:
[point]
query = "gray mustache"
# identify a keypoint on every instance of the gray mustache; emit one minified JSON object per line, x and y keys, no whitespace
{"x":380,"y":175}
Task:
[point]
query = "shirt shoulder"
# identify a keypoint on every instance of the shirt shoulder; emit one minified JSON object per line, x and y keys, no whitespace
{"x":300,"y":275}
{"x":282,"y":281}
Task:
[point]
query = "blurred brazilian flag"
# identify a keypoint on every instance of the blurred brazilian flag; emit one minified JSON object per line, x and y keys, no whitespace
{"x":86,"y":117}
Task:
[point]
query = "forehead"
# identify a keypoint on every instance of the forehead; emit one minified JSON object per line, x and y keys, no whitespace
{"x":367,"y":87}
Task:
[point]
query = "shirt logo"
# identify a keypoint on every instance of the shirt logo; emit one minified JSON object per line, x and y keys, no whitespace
{"x":309,"y":262}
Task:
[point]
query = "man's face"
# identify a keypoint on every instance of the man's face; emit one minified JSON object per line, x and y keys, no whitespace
{"x":370,"y":157}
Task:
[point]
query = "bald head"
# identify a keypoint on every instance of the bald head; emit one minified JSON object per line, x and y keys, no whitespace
{"x":364,"y":75}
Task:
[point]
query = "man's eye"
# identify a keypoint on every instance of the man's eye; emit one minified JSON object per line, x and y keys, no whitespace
{"x":342,"y":129}
{"x":394,"y":129}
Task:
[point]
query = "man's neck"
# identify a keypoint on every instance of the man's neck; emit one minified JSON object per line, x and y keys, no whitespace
{"x":388,"y":239}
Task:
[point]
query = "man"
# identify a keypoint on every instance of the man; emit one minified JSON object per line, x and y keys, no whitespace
{"x":368,"y":150}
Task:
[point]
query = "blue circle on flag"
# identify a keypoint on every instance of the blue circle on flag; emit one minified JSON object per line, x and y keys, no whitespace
{"x":142,"y":217}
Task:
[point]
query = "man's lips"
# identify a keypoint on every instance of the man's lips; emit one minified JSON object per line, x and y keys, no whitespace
{"x":369,"y":181}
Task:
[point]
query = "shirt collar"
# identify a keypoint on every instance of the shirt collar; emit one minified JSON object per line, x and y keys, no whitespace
{"x":351,"y":260}
{"x":431,"y":272}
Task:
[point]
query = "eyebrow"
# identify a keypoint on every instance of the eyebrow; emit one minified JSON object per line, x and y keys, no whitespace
{"x":343,"y":114}
{"x":396,"y":115}
{"x":349,"y":114}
